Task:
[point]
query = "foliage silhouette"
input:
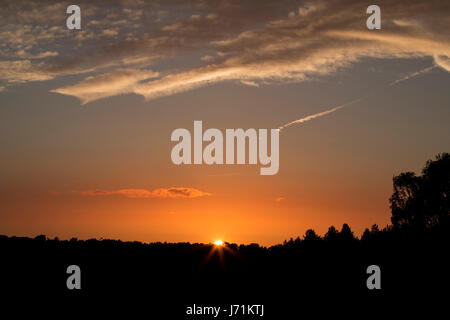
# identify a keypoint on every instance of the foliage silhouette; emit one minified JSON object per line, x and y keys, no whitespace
{"x":423,"y":201}
{"x":411,"y":254}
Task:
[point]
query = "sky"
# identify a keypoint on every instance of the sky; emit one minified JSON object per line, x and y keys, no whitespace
{"x":86,"y":115}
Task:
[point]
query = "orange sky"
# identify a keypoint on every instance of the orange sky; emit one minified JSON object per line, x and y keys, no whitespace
{"x":87,"y":114}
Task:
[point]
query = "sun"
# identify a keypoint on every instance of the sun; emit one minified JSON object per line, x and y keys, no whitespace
{"x":218,"y":243}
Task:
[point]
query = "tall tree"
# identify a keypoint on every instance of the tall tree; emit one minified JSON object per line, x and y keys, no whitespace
{"x":423,"y":201}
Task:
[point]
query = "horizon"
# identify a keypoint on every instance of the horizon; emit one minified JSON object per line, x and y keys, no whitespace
{"x":215,"y":242}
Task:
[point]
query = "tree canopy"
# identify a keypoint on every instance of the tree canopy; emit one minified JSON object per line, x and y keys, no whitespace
{"x":422,"y":201}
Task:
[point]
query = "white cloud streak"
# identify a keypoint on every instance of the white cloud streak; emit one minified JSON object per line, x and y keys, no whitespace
{"x":412,"y":75}
{"x":118,"y":81}
{"x":320,"y":114}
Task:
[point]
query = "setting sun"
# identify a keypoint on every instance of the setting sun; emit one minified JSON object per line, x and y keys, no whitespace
{"x":218,"y":243}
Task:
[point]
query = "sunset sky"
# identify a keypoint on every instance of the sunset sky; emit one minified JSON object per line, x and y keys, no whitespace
{"x":86,"y":115}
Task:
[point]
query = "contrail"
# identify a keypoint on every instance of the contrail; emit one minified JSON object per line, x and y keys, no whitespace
{"x":320,"y":114}
{"x":323,"y":113}
{"x":412,"y":75}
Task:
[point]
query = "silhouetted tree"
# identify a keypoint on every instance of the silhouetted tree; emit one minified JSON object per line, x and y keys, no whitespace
{"x":366,"y":235}
{"x":423,"y":201}
{"x":311,"y":235}
{"x":332,"y":234}
{"x":374,"y":229}
{"x":40,"y":238}
{"x":346,"y":233}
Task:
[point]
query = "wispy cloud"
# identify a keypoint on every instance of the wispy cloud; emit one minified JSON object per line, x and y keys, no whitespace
{"x":172,"y":192}
{"x":412,"y":75}
{"x":129,"y":193}
{"x":179,"y":192}
{"x":323,"y":113}
{"x":271,"y":42}
{"x":320,"y":114}
{"x":250,"y":83}
{"x":118,"y":81}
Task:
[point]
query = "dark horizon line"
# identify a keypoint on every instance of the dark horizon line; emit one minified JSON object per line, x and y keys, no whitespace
{"x":309,"y":235}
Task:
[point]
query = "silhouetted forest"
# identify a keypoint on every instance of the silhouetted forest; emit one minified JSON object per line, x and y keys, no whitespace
{"x":412,"y":254}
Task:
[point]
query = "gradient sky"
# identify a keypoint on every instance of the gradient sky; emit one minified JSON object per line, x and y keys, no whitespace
{"x":86,"y":116}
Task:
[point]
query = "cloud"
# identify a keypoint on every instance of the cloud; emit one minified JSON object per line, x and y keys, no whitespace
{"x":184,"y":81}
{"x":279,"y":199}
{"x":179,"y":192}
{"x":207,"y":58}
{"x":172,"y":27}
{"x":42,"y":55}
{"x":172,"y":192}
{"x":250,"y":44}
{"x":129,"y":193}
{"x":118,"y":81}
{"x":250,"y":83}
{"x":22,"y":71}
{"x":110,"y":32}
{"x":443,"y":62}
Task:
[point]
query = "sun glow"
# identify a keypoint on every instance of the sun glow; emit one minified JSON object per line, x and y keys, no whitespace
{"x":218,"y":243}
